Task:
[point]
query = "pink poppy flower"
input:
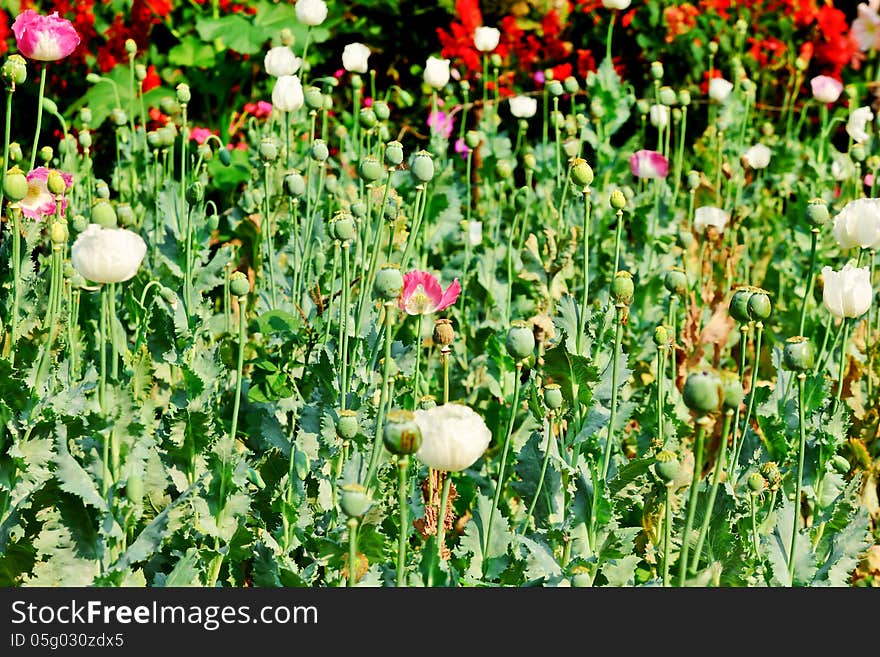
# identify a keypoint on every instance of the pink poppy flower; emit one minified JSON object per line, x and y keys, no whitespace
{"x":422,"y":294}
{"x":441,"y":122}
{"x":44,"y":38}
{"x":200,"y":135}
{"x":648,"y":164}
{"x":39,"y":201}
{"x":826,"y":89}
{"x":461,"y":148}
{"x":261,"y":109}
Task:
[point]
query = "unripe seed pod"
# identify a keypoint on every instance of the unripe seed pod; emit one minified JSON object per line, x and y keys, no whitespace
{"x":393,"y":153}
{"x":388,"y":283}
{"x":343,"y":227}
{"x":85,"y":138}
{"x":702,"y":392}
{"x":817,"y":213}
{"x":622,"y":287}
{"x":355,"y":501}
{"x":553,"y":396}
{"x":131,"y":47}
{"x":239,"y":284}
{"x":427,"y":402}
{"x":759,"y":305}
{"x":684,"y":97}
{"x":58,"y":233}
{"x":224,"y":156}
{"x":555,"y":88}
{"x":713,"y":47}
{"x":195,"y":193}
{"x":661,"y":336}
{"x":530,"y":162}
{"x":140,"y":72}
{"x":102,"y":190}
{"x":423,"y":166}
{"x":581,"y":172}
{"x":367,"y":117}
{"x":472,"y":138}
{"x":85,"y":115}
{"x":693,"y":179}
{"x":15,"y":185}
{"x":739,"y":304}
{"x":370,"y":168}
{"x":347,"y":424}
{"x":570,"y":84}
{"x":383,"y":112}
{"x":357,"y":81}
{"x":169,"y":295}
{"x":444,"y":334}
{"x":667,"y":96}
{"x":15,"y":154}
{"x":732,"y":388}
{"x":571,"y":147}
{"x":295,"y":184}
{"x":390,"y":211}
{"x":319,"y":151}
{"x":104,"y":214}
{"x":618,"y":200}
{"x":359,"y":209}
{"x":14,"y":70}
{"x":268,"y":149}
{"x":666,"y":466}
{"x":125,"y":214}
{"x":520,"y":341}
{"x":504,"y":169}
{"x":402,"y":434}
{"x":657,"y":70}
{"x":314,"y":99}
{"x":46,"y":154}
{"x":183,"y":93}
{"x":80,"y":223}
{"x":757,"y":483}
{"x":799,"y":354}
{"x":676,"y":282}
{"x":841,"y":464}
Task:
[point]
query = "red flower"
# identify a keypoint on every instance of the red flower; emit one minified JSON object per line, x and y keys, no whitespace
{"x":152,"y":80}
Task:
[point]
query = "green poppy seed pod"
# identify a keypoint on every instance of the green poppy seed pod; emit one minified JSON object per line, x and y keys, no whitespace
{"x":390,"y":211}
{"x":383,"y":112}
{"x":676,"y":282}
{"x":504,"y":169}
{"x":643,"y":106}
{"x":858,"y":152}
{"x":444,"y":334}
{"x":702,"y":392}
{"x":472,"y":139}
{"x":140,"y":72}
{"x":118,"y":116}
{"x":167,"y":135}
{"x":49,"y":105}
{"x":388,"y":283}
{"x":85,"y":138}
{"x":58,"y":233}
{"x":93,"y":78}
{"x":667,"y":96}
{"x":427,"y":402}
{"x":212,"y":221}
{"x":328,"y":102}
{"x":104,"y":214}
{"x":183,"y":93}
{"x":666,"y":466}
{"x":169,"y":295}
{"x":581,"y":577}
{"x":319,"y":151}
{"x":530,"y":162}
{"x":55,"y":183}
{"x":80,"y":223}
{"x":357,"y":81}
{"x":759,"y":305}
{"x":570,"y":84}
{"x":15,"y":154}
{"x":657,"y":70}
{"x":738,"y":308}
{"x":495,"y":60}
{"x":370,"y":168}
{"x":757,"y":483}
{"x":571,"y":147}
{"x":693,"y":180}
{"x":134,"y":489}
{"x":331,"y":182}
{"x":367,"y":117}
{"x":314,"y":99}
{"x":268,"y":149}
{"x":732,"y":388}
{"x":520,"y":341}
{"x":555,"y":88}
{"x":195,"y":193}
{"x":393,"y":153}
{"x":102,"y":190}
{"x":125,"y":214}
{"x":553,"y":396}
{"x":423,"y":166}
{"x":713,"y":47}
{"x":618,"y":200}
{"x":239,"y":284}
{"x":355,"y":501}
{"x":224,"y":156}
{"x":684,"y":97}
{"x":841,"y":464}
{"x":817,"y":213}
{"x":131,"y":47}
{"x":154,"y":139}
{"x":661,"y":336}
{"x":347,"y":424}
{"x":46,"y":154}
{"x":383,"y":133}
{"x":85,"y":116}
{"x":402,"y":434}
{"x":14,"y":70}
{"x":359,"y":209}
{"x":622,"y":287}
{"x":295,"y":184}
{"x":343,"y":227}
{"x":799,"y":354}
{"x":581,"y":172}
{"x":286,"y":37}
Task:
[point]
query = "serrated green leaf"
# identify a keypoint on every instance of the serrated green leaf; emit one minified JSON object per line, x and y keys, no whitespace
{"x":70,"y":474}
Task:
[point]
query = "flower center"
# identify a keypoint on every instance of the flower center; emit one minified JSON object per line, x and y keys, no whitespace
{"x":419,"y":302}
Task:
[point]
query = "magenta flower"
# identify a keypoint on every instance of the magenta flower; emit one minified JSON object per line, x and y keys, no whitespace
{"x":422,"y":294}
{"x":461,"y":148}
{"x":200,"y":135}
{"x":441,"y":122}
{"x":39,"y":201}
{"x":44,"y":38}
{"x":648,"y":164}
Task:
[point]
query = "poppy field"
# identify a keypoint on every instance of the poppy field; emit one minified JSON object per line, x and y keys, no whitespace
{"x":550,"y":293}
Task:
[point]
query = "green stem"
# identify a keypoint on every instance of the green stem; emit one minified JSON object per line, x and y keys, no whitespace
{"x":618,"y":234}
{"x":402,"y":483}
{"x":334,"y":269}
{"x":608,"y":36}
{"x":759,"y":332}
{"x":500,"y":483}
{"x":546,"y":460}
{"x":417,"y":376}
{"x":15,"y":224}
{"x":754,"y":510}
{"x":618,"y":335}
{"x":114,"y":363}
{"x":692,"y":499}
{"x":847,"y":325}
{"x":268,"y":238}
{"x":242,"y":336}
{"x":383,"y":398}
{"x":716,"y":480}
{"x":343,"y":326}
{"x":585,"y":294}
{"x":40,"y":94}
{"x":810,"y":279}
{"x":667,"y":532}
{"x":102,"y":346}
{"x":7,"y":133}
{"x":661,"y":374}
{"x":798,"y":476}
{"x":441,"y":517}
{"x":444,"y":360}
{"x":352,"y":549}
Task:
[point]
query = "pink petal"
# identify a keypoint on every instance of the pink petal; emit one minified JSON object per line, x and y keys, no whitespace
{"x":411,"y":282}
{"x":450,"y":295}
